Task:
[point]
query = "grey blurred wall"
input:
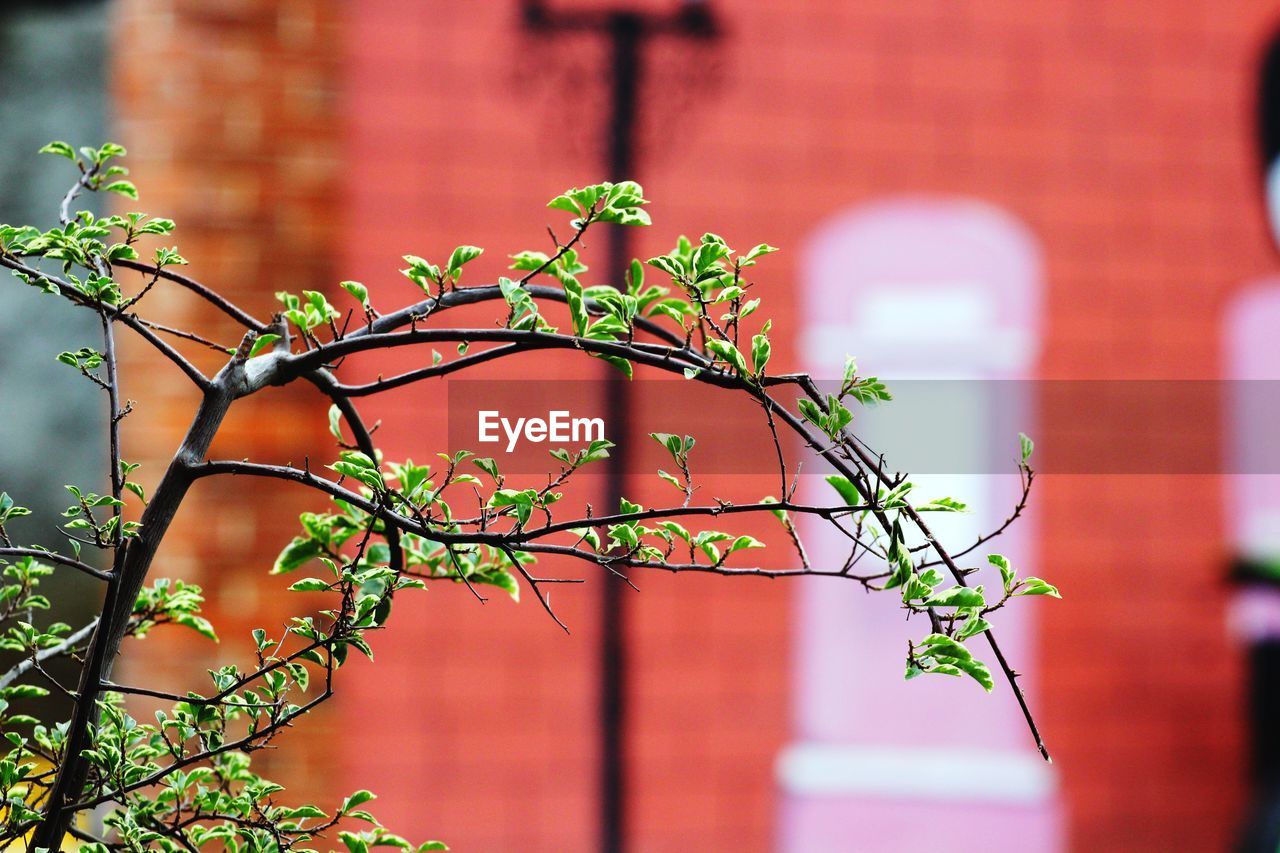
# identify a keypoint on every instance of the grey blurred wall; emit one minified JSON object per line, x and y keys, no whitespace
{"x":52,"y":86}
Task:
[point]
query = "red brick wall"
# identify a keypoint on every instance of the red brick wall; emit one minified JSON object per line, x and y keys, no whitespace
{"x":228,"y":114}
{"x":1120,"y":133}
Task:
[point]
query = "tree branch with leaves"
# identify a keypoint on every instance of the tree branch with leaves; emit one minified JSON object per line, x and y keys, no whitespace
{"x":186,"y":781}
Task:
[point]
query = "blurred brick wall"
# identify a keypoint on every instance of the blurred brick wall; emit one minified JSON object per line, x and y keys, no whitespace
{"x":227,"y":110}
{"x":1120,"y":133}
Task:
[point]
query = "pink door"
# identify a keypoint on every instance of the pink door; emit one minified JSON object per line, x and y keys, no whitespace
{"x":947,"y":290}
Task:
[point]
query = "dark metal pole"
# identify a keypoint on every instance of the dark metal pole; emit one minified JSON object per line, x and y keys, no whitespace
{"x":625,"y":32}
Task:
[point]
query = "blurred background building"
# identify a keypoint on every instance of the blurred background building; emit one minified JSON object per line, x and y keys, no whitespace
{"x":1091,"y":173}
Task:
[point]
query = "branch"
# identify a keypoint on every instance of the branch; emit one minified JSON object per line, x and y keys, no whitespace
{"x":1018,"y":510}
{"x":192,"y":699}
{"x":676,"y":568}
{"x":67,"y":290}
{"x":516,"y":538}
{"x":669,"y":359}
{"x":412,"y":376}
{"x":59,"y":559}
{"x":487,"y":293}
{"x":828,"y":512}
{"x":958,"y":574}
{"x":217,"y":300}
{"x":64,"y":209}
{"x":114,"y":416}
{"x":25,"y":666}
{"x":543,"y":598}
{"x":328,"y":385}
{"x":132,"y":565}
{"x":204,"y":755}
{"x":185,"y":335}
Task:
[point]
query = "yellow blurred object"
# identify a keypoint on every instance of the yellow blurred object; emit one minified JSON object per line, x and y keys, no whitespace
{"x":33,"y":796}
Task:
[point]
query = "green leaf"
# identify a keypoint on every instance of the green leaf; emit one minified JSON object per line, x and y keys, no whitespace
{"x":620,"y":363}
{"x":867,"y":391}
{"x":760,"y":352}
{"x":668,"y":264}
{"x":122,"y":252}
{"x":850,"y":370}
{"x":59,"y":148}
{"x":528,"y":261}
{"x":744,"y":542}
{"x":355,"y":844}
{"x":1036,"y":586}
{"x":124,"y":188}
{"x":677,"y":446}
{"x":1006,"y":571}
{"x":811,"y":411}
{"x":462,"y":255}
{"x":502,"y":579}
{"x":563,"y":202}
{"x":588,"y":535}
{"x":304,"y":812}
{"x":353,"y":463}
{"x":521,"y":501}
{"x":420,"y":272}
{"x":295,"y":554}
{"x":596,"y":450}
{"x":635,"y":277}
{"x":23,"y":691}
{"x":157,"y":225}
{"x":670,"y":479}
{"x":358,"y":290}
{"x":359,"y":798}
{"x":758,"y":251}
{"x":675,"y":529}
{"x":335,"y":422}
{"x":577,"y":307}
{"x":262,"y":342}
{"x":978,"y":671}
{"x":168,"y":256}
{"x":941,"y":654}
{"x":309,"y":585}
{"x":943,"y":505}
{"x":848,"y":492}
{"x":706,"y":541}
{"x":940,"y":645}
{"x":956,"y":596}
{"x":196,"y":623}
{"x":1027,"y":445}
{"x":972,"y":626}
{"x":489,"y":466}
{"x":727,"y":352}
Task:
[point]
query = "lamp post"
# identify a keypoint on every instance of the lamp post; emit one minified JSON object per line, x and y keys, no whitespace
{"x":627,"y":31}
